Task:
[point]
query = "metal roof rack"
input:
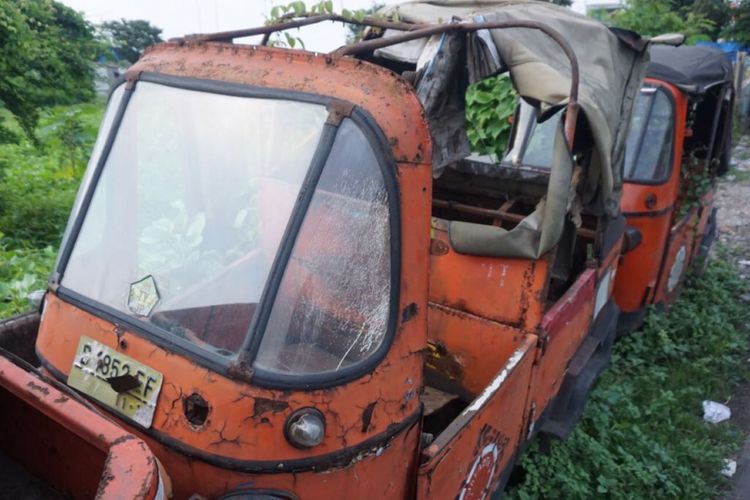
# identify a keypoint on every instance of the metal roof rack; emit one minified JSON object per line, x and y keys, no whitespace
{"x":412,"y":31}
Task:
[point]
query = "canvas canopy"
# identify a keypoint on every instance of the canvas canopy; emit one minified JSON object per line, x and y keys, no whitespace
{"x":693,"y":69}
{"x":612,"y":66}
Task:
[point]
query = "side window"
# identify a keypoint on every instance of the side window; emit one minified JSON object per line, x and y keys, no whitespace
{"x":651,"y":137}
{"x":533,"y":142}
{"x":332,"y":308}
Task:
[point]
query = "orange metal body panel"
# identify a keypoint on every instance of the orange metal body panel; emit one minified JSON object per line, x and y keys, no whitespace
{"x":244,"y":429}
{"x":506,"y":290}
{"x":639,"y":268}
{"x":684,"y":234}
{"x":467,"y":349}
{"x":643,"y":272}
{"x":564,"y":327}
{"x":465,"y":460}
{"x":386,"y":471}
{"x":79,"y":452}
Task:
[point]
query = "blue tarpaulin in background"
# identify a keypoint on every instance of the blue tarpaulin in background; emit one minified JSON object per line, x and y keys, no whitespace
{"x":729,"y":48}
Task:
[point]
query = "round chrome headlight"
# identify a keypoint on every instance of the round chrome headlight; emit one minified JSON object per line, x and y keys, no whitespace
{"x":305,"y":428}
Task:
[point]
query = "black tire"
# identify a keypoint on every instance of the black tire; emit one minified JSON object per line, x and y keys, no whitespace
{"x":700,"y":262}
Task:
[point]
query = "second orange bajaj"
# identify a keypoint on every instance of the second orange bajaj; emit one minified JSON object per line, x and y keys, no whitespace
{"x":288,"y":274}
{"x":679,"y":144}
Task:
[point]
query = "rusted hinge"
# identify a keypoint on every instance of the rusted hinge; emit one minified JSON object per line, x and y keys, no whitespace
{"x":53,"y":283}
{"x":338,"y":110}
{"x":241,"y":369}
{"x":543,"y":340}
{"x":131,"y":78}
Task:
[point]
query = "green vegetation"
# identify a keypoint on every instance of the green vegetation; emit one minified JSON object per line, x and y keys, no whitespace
{"x":489,"y":107}
{"x":128,"y":38}
{"x":46,"y":50}
{"x":642,"y":434}
{"x":656,"y":17}
{"x":38,"y":182}
{"x":739,"y":28}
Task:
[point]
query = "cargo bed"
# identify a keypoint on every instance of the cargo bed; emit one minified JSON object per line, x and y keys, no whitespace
{"x":54,"y":444}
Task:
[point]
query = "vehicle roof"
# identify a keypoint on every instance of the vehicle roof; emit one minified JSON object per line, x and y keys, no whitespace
{"x":387,"y":98}
{"x":693,"y":69}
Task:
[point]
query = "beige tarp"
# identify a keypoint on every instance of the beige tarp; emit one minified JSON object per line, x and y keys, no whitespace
{"x":612,"y":66}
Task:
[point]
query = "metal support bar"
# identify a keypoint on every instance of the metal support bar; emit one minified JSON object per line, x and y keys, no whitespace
{"x":228,"y":36}
{"x":571,"y":115}
{"x":498,"y":214}
{"x":413,"y":32}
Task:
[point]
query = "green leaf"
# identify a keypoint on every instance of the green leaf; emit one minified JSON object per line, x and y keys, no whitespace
{"x":298,"y":7}
{"x":290,"y":40}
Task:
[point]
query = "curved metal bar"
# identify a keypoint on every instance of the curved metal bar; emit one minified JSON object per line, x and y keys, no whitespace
{"x":571,"y":114}
{"x":228,"y":36}
{"x":412,"y":32}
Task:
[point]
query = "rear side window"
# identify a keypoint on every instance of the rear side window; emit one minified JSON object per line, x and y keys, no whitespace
{"x":332,"y":308}
{"x":651,"y":138}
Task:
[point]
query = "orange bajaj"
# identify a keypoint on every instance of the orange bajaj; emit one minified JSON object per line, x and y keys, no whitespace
{"x":679,"y":143}
{"x":288,"y":273}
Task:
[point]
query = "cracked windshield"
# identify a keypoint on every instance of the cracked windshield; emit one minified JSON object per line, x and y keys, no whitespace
{"x":189,"y":212}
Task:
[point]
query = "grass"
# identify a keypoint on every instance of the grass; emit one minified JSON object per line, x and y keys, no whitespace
{"x":642,"y":434}
{"x":742,"y":155}
{"x":38,"y":183}
{"x":739,"y":175}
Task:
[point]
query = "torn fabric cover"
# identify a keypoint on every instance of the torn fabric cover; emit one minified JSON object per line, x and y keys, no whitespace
{"x":612,"y":67}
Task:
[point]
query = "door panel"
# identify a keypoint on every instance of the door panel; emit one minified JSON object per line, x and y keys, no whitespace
{"x":564,"y":327}
{"x":678,"y":256}
{"x":465,"y":461}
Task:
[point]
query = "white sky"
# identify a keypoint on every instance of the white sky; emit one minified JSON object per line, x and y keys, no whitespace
{"x":181,"y":17}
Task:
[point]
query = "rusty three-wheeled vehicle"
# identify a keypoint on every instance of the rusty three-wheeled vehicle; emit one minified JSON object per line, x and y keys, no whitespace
{"x":288,"y":274}
{"x":679,"y":144}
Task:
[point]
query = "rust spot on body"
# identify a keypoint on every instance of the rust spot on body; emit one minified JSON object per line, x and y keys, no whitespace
{"x":264,"y":405}
{"x":367,"y":416}
{"x":441,"y":360}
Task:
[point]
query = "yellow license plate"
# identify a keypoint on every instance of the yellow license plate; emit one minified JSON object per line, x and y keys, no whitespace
{"x":123,"y":384}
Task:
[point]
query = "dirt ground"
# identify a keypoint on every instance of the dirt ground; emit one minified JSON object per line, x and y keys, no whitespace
{"x":734,"y":206}
{"x":734,"y":231}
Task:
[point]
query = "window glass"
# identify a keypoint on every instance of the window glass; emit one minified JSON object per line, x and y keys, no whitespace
{"x":333,"y":305}
{"x":534,"y":142}
{"x":650,"y":139}
{"x":104,"y":129}
{"x":541,"y":147}
{"x":191,"y":207}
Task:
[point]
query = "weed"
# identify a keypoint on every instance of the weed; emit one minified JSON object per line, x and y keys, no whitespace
{"x":642,"y":435}
{"x":736,"y":175}
{"x":22,"y":271}
{"x":38,"y":182}
{"x":742,"y":154}
{"x":489,"y":105}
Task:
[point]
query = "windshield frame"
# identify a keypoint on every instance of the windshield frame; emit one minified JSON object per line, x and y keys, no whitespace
{"x":228,"y":365}
{"x":655,"y":88}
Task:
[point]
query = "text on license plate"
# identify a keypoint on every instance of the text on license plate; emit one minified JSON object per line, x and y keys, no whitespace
{"x":118,"y":381}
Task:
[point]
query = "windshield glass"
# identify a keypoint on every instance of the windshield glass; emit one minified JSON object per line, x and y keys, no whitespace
{"x":333,"y":303}
{"x":650,"y":139}
{"x":190,"y":209}
{"x":533,"y":143}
